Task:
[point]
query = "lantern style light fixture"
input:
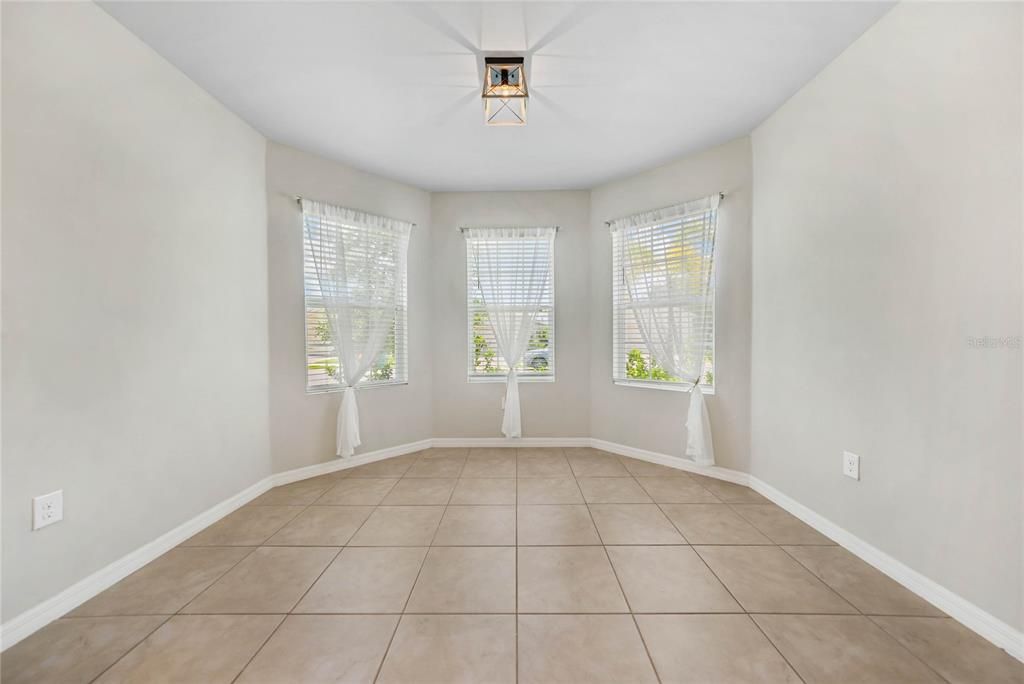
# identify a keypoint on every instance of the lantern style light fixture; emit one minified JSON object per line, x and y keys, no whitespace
{"x":505,"y":91}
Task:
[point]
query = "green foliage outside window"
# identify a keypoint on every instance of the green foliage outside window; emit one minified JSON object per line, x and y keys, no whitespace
{"x":637,"y":368}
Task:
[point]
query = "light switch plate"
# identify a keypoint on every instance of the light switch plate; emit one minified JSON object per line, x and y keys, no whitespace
{"x":47,"y":509}
{"x":851,"y":465}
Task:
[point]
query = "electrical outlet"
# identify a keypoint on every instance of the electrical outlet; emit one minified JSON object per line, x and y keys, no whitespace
{"x":47,"y":509}
{"x":851,"y":465}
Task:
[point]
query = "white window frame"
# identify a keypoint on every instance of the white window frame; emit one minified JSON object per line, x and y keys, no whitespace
{"x":523,"y":375}
{"x":617,"y":335}
{"x":401,"y":327}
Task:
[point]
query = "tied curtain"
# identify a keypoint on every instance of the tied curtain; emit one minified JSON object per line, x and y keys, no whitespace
{"x":667,"y":263}
{"x":359,"y":263}
{"x":513,"y":271}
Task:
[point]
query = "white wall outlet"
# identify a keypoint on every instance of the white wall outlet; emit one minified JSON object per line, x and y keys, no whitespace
{"x":47,"y":509}
{"x":851,"y":465}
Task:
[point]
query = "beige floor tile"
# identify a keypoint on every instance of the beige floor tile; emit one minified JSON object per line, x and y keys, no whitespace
{"x":555,"y":525}
{"x":597,"y":466}
{"x":413,"y":491}
{"x":479,"y":579}
{"x":859,"y":583}
{"x":541,"y":452}
{"x":322,"y":649}
{"x":452,"y":649}
{"x":358,"y":491}
{"x":676,"y":490}
{"x":581,"y":648}
{"x":842,"y":648}
{"x":612,"y":490}
{"x":487,"y":491}
{"x":165,"y":585}
{"x":399,"y":526}
{"x":669,"y":579}
{"x":493,"y":452}
{"x":646,"y":469}
{"x":586,"y":452}
{"x":728,"y":491}
{"x":444,"y":452}
{"x":766,"y":580}
{"x":74,"y":650}
{"x":437,"y":466}
{"x":634,"y":524}
{"x":548,"y":490}
{"x":477,"y":526}
{"x":271,"y":579}
{"x":568,"y":579}
{"x":542,"y":466}
{"x":389,"y":467}
{"x":322,"y":526}
{"x":952,"y":650}
{"x":712,"y":524}
{"x":780,"y":526}
{"x":195,"y":648}
{"x":248,"y":526}
{"x":700,"y":649}
{"x":365,"y":580}
{"x":487,"y":464}
{"x":301,"y":493}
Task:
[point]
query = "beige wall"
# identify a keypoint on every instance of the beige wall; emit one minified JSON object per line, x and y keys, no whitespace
{"x":134,"y":297}
{"x":651,"y":418}
{"x":302,"y":426}
{"x":558,"y":409}
{"x":887,"y":232}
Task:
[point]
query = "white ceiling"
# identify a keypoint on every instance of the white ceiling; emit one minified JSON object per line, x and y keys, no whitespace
{"x":395,"y":88}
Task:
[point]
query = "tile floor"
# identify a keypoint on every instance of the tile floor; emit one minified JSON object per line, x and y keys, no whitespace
{"x":504,"y":565}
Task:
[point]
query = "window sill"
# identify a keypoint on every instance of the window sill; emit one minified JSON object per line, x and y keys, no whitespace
{"x":474,"y":379}
{"x":329,"y":390}
{"x":708,"y":390}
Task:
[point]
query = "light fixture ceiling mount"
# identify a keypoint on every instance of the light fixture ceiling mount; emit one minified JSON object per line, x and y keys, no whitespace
{"x":505,"y":93}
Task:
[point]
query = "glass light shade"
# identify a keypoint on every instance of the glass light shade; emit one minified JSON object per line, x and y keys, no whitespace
{"x":505,"y":91}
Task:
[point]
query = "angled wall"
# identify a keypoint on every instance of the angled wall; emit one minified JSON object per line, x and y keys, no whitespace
{"x":302,"y":425}
{"x":654,"y":419}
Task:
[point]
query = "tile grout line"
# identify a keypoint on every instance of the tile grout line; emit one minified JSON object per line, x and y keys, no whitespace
{"x":615,"y":574}
{"x":412,"y":587}
{"x":133,"y":647}
{"x":312,"y":584}
{"x":746,"y":613}
{"x":634,"y":477}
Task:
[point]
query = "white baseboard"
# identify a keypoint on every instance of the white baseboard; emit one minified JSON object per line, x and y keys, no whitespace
{"x":957,"y":607}
{"x":37,"y":617}
{"x":482,"y":442}
{"x":988,"y":626}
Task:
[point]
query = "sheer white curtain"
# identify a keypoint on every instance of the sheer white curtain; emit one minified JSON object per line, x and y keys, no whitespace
{"x":667,"y":276}
{"x":513,"y":269}
{"x":359,"y":263}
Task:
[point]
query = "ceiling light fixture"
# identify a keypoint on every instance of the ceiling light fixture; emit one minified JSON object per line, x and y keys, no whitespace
{"x":505,"y":91}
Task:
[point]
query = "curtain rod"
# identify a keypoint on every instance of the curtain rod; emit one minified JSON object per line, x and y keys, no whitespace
{"x":721,"y":196}
{"x":299,"y":198}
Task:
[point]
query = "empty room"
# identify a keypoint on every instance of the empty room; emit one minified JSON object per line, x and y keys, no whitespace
{"x":512,"y":342}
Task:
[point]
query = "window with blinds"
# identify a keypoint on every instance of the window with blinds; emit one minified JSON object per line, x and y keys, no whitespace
{"x":669,"y":248}
{"x":322,"y":364}
{"x":485,"y":363}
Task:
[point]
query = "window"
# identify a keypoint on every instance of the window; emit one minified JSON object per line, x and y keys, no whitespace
{"x":366,"y":247}
{"x":519,"y":259}
{"x":661,"y":264}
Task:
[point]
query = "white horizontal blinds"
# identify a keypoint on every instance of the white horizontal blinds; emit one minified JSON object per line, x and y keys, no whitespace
{"x":663,"y":295}
{"x":358,"y":260}
{"x":519,"y":265}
